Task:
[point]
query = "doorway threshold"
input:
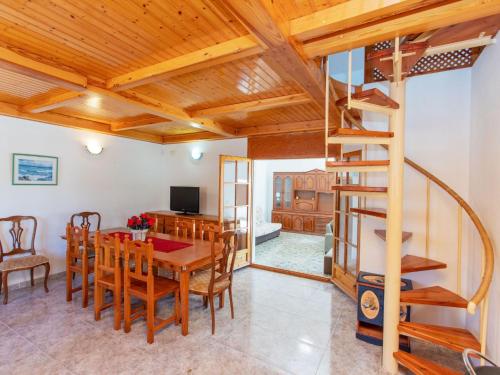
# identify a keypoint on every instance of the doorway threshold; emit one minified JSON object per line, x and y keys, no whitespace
{"x":303,"y":275}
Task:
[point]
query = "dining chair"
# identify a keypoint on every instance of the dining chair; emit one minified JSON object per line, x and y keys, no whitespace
{"x":185,"y":228}
{"x":87,"y":219}
{"x":26,"y":262}
{"x":219,"y":277}
{"x":147,"y":287}
{"x":107,"y":276}
{"x":77,"y":261}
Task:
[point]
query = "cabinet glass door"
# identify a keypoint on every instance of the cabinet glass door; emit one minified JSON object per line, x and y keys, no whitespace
{"x":235,"y":201}
{"x":287,"y":192}
{"x":277,"y":191}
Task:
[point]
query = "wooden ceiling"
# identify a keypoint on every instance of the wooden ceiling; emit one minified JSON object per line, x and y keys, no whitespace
{"x":169,"y":71}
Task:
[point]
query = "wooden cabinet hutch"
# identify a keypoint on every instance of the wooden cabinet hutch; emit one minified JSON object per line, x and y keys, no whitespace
{"x":303,"y":201}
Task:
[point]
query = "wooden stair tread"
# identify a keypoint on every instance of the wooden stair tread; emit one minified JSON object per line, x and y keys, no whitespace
{"x":456,"y":339}
{"x":370,"y":211}
{"x":368,"y":189}
{"x":382,"y":233}
{"x":372,"y":96}
{"x":433,"y":295}
{"x":421,"y":366}
{"x":412,"y":263}
{"x":346,"y":132}
{"x":357,"y":163}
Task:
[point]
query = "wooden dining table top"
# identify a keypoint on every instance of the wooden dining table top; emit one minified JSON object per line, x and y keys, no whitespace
{"x":185,"y":258}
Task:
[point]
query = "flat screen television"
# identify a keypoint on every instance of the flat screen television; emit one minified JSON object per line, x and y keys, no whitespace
{"x":185,"y":199}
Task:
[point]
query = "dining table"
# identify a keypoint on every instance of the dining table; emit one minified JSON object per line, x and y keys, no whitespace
{"x":195,"y":254}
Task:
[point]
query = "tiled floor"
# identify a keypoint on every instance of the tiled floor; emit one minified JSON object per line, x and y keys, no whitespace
{"x":293,"y":251}
{"x":283,"y":325}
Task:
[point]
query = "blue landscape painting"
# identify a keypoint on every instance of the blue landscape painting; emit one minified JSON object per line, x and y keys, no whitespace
{"x":35,"y":170}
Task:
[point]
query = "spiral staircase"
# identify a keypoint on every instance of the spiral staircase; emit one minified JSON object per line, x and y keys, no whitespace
{"x":395,"y":62}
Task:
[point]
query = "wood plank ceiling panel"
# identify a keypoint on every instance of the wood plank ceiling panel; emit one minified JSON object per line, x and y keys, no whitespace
{"x":105,"y":38}
{"x":20,"y":87}
{"x":303,"y":112}
{"x":299,"y":8}
{"x":171,"y":128}
{"x":238,"y":81}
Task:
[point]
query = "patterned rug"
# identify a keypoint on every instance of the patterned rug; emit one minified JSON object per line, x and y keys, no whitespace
{"x":294,"y":252}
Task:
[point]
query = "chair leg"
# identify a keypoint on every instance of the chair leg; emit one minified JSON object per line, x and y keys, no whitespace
{"x":32,"y":276}
{"x":117,"y":302}
{"x":205,"y":302}
{"x":85,"y":290}
{"x":46,"y":278}
{"x":150,"y":320}
{"x":212,"y":311}
{"x":5,"y":287}
{"x":69,"y":284}
{"x":221,"y":299}
{"x":98,"y":297}
{"x":126,"y":311}
{"x":1,"y":283}
{"x":230,"y":291}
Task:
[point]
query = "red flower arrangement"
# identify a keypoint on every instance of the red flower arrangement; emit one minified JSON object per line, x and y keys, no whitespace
{"x":140,"y":222}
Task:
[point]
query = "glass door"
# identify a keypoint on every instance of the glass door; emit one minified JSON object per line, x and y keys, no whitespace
{"x":235,"y":197}
{"x":346,"y":233}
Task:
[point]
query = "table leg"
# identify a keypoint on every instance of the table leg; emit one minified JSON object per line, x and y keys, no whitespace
{"x":184,"y":286}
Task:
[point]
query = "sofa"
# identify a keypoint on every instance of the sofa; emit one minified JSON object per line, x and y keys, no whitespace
{"x":328,"y":257}
{"x":263,"y":230}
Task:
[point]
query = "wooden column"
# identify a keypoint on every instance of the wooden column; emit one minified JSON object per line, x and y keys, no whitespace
{"x":394,"y":229}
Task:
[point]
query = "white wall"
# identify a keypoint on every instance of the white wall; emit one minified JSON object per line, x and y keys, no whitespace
{"x":181,"y":170}
{"x":485,"y":180}
{"x":437,"y":137}
{"x":127,"y":178}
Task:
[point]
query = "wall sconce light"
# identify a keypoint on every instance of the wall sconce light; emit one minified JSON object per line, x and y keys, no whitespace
{"x":94,"y":147}
{"x":196,"y":154}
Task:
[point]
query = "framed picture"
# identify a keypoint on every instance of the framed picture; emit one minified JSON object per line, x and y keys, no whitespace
{"x":34,"y":169}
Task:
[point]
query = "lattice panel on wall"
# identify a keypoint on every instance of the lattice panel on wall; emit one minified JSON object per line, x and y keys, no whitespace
{"x":459,"y":59}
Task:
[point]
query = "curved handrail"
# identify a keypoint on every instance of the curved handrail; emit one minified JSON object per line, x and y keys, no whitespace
{"x":488,"y":252}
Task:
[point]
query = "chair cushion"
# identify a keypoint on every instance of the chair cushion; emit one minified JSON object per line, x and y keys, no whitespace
{"x":162,"y":286}
{"x":200,"y":281}
{"x":29,"y":261}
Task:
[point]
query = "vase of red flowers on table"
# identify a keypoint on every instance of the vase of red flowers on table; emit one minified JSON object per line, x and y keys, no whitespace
{"x":139,"y":226}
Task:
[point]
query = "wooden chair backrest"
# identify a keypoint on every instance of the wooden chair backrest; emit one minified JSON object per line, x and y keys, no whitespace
{"x":138,"y":253}
{"x":85,"y":216}
{"x":223,"y":263}
{"x":207,"y":228}
{"x":16,"y":232}
{"x":107,"y":255}
{"x":185,"y":228}
{"x":77,"y":240}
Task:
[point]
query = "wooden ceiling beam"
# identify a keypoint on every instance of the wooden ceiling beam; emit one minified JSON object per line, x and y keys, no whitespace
{"x":13,"y":61}
{"x":51,"y":101}
{"x":52,"y":118}
{"x":214,"y":55}
{"x":300,"y":126}
{"x":283,"y":56}
{"x":254,"y":105}
{"x":138,"y":123}
{"x":414,"y":22}
{"x":350,"y":14}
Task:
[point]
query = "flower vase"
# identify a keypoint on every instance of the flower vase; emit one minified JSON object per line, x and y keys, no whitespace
{"x":139,"y":234}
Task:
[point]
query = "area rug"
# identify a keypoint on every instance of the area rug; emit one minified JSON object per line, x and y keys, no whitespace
{"x":294,"y":252}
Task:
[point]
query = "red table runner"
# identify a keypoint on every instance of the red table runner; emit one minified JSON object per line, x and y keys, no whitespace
{"x":159,"y":244}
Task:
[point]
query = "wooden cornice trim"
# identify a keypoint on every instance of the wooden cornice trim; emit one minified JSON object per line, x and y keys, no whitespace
{"x":300,"y":126}
{"x":416,"y":22}
{"x":217,"y":54}
{"x":254,"y":105}
{"x":50,"y":101}
{"x":11,"y":110}
{"x":348,"y":15}
{"x":13,"y":61}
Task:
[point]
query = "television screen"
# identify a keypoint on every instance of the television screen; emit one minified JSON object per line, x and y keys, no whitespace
{"x":185,"y":199}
